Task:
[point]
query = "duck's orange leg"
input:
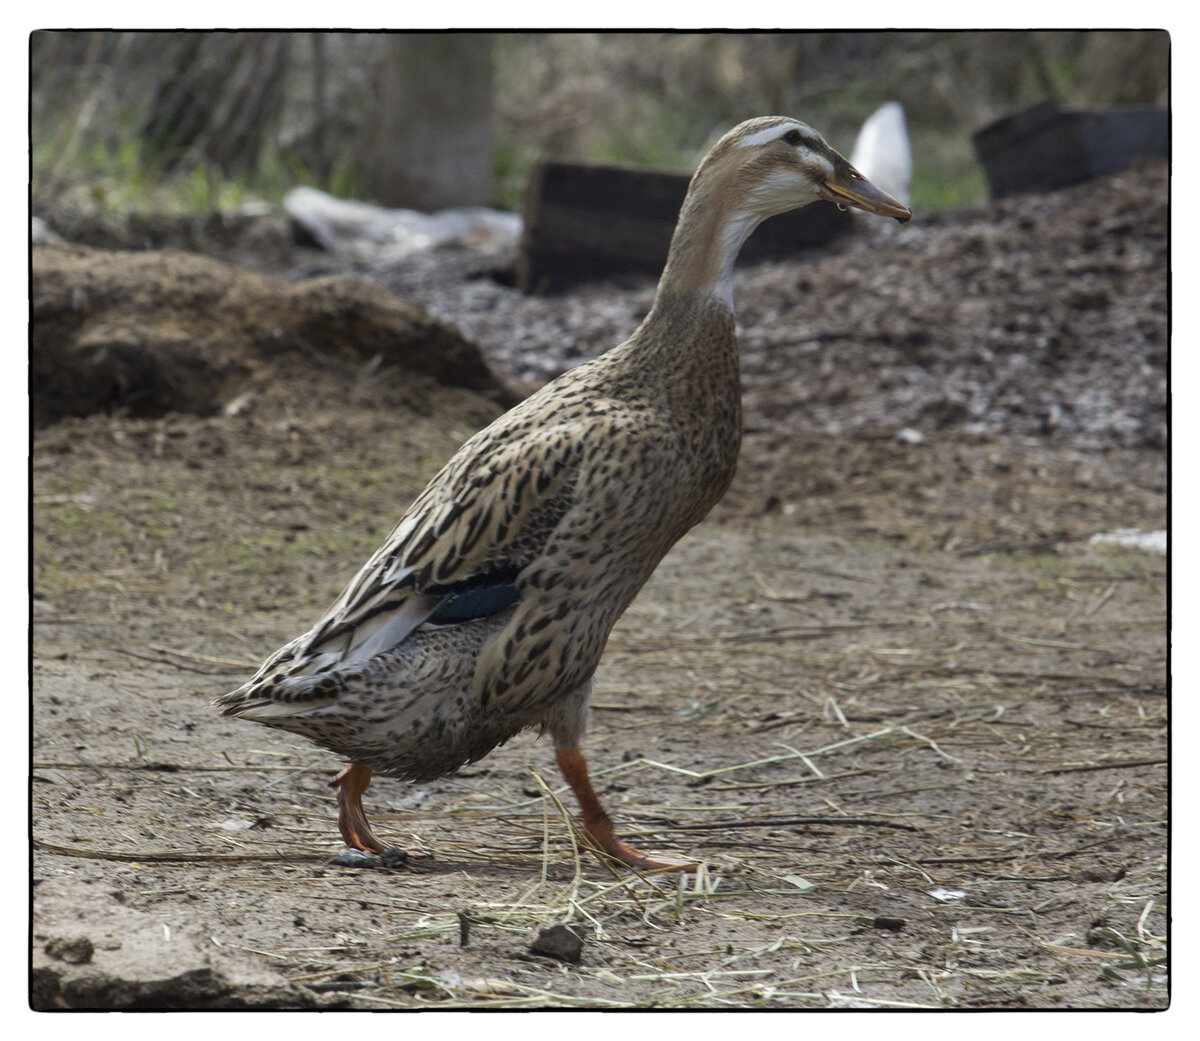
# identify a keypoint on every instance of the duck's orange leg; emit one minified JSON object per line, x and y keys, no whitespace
{"x":598,"y":824}
{"x":352,"y":818}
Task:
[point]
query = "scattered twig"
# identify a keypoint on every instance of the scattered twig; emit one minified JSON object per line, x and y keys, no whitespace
{"x":1013,"y":546}
{"x":772,"y":822}
{"x":757,"y":785}
{"x":1033,"y":641}
{"x":931,"y":743}
{"x":1082,"y":952}
{"x":176,"y":856}
{"x":160,"y":767}
{"x":1118,"y":764}
{"x":228,"y":663}
{"x":161,"y":660}
{"x":807,"y":632}
{"x":780,"y":632}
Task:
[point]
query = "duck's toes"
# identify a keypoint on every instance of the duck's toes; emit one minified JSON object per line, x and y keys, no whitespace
{"x":639,"y":861}
{"x":391,"y":857}
{"x":598,"y":824}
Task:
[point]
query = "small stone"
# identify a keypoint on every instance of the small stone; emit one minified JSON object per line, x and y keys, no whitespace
{"x":355,"y":858}
{"x":77,"y":950}
{"x":560,"y":942}
{"x":393,"y":856}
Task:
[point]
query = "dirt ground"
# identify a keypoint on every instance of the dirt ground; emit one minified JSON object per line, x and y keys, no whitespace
{"x":911,"y":720}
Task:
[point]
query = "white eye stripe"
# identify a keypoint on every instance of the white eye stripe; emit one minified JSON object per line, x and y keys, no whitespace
{"x":767,"y":134}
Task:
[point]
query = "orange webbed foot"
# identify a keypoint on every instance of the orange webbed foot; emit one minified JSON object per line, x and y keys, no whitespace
{"x":599,"y":826}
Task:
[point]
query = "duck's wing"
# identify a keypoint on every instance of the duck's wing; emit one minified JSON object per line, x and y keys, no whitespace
{"x":453,"y":556}
{"x":458,"y":549}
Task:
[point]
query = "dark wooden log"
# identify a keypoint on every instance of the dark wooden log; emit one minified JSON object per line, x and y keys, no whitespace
{"x":1045,"y":147}
{"x":585,"y":222}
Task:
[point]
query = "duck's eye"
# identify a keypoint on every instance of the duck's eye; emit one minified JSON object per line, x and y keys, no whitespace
{"x":792,"y":137}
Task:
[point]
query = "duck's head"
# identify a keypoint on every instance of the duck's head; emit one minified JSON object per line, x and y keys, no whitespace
{"x":775,"y":164}
{"x":763,"y":167}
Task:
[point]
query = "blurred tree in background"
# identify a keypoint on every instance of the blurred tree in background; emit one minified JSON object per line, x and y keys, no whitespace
{"x":203,"y":121}
{"x":430,"y":143}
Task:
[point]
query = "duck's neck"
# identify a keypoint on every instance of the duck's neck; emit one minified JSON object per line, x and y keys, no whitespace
{"x":706,"y":243}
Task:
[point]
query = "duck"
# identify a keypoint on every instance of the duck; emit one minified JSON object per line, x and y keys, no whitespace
{"x":487,"y":609}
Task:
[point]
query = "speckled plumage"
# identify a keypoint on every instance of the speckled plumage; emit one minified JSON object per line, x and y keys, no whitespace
{"x":577,"y":493}
{"x":547,"y":523}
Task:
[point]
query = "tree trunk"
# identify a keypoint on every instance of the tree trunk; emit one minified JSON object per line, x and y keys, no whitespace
{"x":432,"y":142}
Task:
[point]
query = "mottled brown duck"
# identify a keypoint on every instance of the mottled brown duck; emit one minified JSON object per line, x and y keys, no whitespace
{"x":487,"y":609}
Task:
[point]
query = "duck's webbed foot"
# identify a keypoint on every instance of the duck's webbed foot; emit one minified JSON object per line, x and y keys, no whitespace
{"x":598,"y":824}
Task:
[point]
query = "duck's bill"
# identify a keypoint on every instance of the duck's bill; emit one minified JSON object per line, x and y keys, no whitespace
{"x":847,"y":187}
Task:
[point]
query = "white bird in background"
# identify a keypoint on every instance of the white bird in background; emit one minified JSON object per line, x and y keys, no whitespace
{"x":881,"y":153}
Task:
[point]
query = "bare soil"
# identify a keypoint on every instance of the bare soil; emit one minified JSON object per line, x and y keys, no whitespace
{"x":909,"y":718}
